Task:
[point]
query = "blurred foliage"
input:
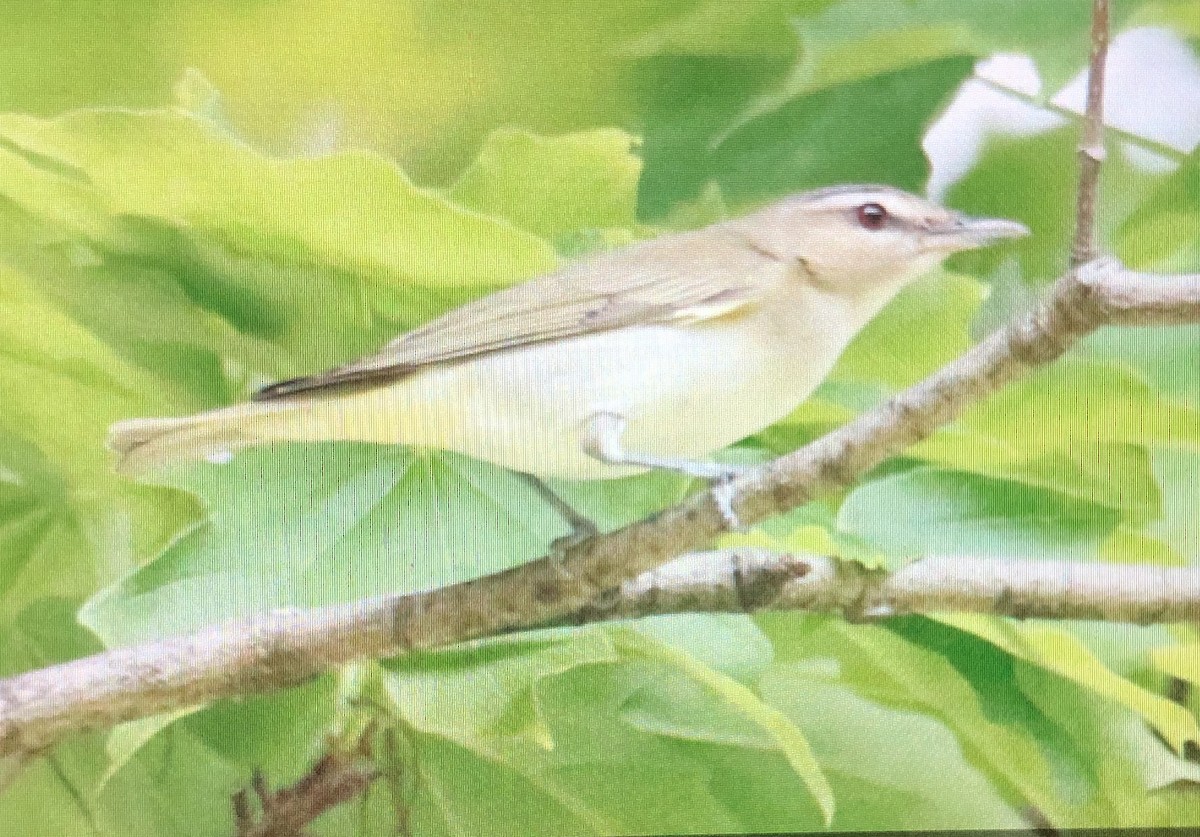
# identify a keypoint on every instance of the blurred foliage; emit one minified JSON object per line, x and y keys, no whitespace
{"x":196,"y":198}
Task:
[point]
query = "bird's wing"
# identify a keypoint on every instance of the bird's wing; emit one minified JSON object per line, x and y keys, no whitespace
{"x":660,"y":281}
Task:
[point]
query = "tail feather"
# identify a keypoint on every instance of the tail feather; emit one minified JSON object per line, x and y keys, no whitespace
{"x":147,"y":443}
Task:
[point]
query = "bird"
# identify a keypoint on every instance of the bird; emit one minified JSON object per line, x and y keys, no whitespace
{"x":650,"y":356}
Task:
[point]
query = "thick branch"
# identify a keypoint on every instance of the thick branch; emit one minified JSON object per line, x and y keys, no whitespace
{"x":752,"y":580}
{"x":39,"y":707}
{"x":1091,"y":146}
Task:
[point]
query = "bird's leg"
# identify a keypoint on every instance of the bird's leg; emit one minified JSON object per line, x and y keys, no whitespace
{"x":601,"y":439}
{"x":582,"y":527}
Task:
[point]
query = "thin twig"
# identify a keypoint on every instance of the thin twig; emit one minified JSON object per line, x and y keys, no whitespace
{"x":1091,"y":147}
{"x":336,"y":778}
{"x":1154,"y":146}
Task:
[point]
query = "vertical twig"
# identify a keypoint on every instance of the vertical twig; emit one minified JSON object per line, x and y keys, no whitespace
{"x":1091,"y":146}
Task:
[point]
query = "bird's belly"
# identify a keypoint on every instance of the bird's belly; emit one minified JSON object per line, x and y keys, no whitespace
{"x":685,"y":392}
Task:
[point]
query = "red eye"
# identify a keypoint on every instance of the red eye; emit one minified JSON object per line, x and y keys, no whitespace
{"x":872,"y":216}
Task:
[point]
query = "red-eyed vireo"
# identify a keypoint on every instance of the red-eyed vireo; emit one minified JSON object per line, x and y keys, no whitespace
{"x":654,"y":355}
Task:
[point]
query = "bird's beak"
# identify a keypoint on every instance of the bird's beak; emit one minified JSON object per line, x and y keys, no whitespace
{"x":962,"y":232}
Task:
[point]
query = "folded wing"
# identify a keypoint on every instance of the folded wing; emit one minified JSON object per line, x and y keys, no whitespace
{"x":681,"y":278}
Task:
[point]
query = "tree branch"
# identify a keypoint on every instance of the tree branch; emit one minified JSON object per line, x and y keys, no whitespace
{"x":1091,"y":147}
{"x":754,"y":580}
{"x":280,"y":649}
{"x":39,"y":707}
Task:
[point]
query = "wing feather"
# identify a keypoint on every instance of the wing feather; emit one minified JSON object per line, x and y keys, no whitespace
{"x":679,"y":278}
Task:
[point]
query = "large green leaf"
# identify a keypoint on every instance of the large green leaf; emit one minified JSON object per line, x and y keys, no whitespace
{"x":866,"y":748}
{"x":1055,"y":650}
{"x":1160,"y":235}
{"x":554,"y":186}
{"x":865,"y":130}
{"x":64,"y":517}
{"x":351,"y":212}
{"x":853,"y":40}
{"x":1124,"y":771}
{"x":572,"y":725}
{"x":896,"y":674}
{"x":306,"y":525}
{"x":1033,"y":180}
{"x":936,"y":511}
{"x":46,"y":552}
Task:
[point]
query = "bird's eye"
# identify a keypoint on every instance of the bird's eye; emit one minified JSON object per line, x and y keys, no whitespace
{"x":872,"y":216}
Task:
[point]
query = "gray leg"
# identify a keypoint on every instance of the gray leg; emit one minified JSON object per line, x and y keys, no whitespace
{"x":602,"y":439}
{"x":582,"y":527}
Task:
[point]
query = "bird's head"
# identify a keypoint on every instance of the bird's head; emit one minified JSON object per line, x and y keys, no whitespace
{"x":858,"y":238}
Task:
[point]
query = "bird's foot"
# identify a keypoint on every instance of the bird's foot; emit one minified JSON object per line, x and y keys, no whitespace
{"x":721,"y":489}
{"x":582,"y":529}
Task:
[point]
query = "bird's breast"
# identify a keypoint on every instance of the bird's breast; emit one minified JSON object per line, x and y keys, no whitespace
{"x":685,"y":390}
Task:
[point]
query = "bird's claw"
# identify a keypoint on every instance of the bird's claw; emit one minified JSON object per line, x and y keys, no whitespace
{"x":721,"y":489}
{"x":580,"y":532}
{"x":582,"y":529}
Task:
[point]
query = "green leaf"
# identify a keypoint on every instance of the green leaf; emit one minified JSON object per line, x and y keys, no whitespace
{"x":1122,"y":768}
{"x":924,"y":328}
{"x":1181,"y":661}
{"x":688,"y":100}
{"x":570,"y":726}
{"x":554,"y":186}
{"x":1132,"y":547}
{"x":47,"y":360}
{"x":63,"y":515}
{"x":1160,"y":234}
{"x":489,"y":689}
{"x":126,"y":740}
{"x":1057,"y":651}
{"x":1094,"y":448}
{"x":862,"y":131}
{"x":1089,"y":401}
{"x":726,"y":27}
{"x":1178,"y":472}
{"x":890,"y":671}
{"x":354,"y":211}
{"x":931,"y":510}
{"x":1111,"y":475}
{"x":865,"y":747}
{"x":1180,"y":15}
{"x":46,"y":552}
{"x":1155,"y":354}
{"x":851,"y":40}
{"x":743,"y":700}
{"x":282,"y":250}
{"x":1032,"y":179}
{"x":307,"y":525}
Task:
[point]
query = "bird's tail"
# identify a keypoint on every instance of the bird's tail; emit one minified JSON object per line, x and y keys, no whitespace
{"x":147,"y":443}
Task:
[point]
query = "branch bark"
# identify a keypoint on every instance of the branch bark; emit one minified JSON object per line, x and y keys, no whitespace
{"x":755,"y":580}
{"x":1091,"y":146}
{"x":39,"y":707}
{"x":287,"y":647}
